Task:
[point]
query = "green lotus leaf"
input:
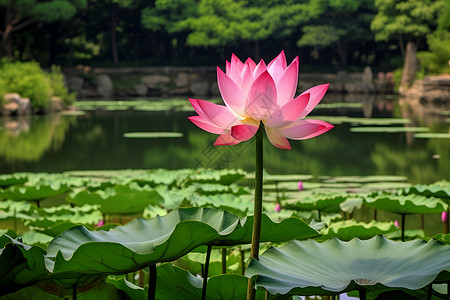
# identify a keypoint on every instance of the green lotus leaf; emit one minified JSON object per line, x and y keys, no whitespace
{"x":40,"y":291}
{"x":440,"y":189}
{"x":19,"y":209}
{"x":366,"y":179}
{"x":38,"y":191}
{"x":21,"y":265}
{"x":319,"y":201}
{"x":13,"y":179}
{"x":349,"y":229}
{"x":152,"y":135}
{"x":433,"y":135}
{"x":153,"y":211}
{"x":288,"y":177}
{"x":350,"y":204}
{"x":158,"y":177}
{"x":408,"y":204}
{"x":389,"y":129}
{"x":123,"y":199}
{"x":363,"y":121}
{"x":34,"y":238}
{"x":57,"y":228}
{"x":215,"y":188}
{"x":228,"y":202}
{"x":225,"y":176}
{"x":133,"y":291}
{"x":145,"y":242}
{"x":176,"y":283}
{"x":194,"y":262}
{"x":174,"y":197}
{"x":410,"y":234}
{"x":76,"y":217}
{"x":308,"y":267}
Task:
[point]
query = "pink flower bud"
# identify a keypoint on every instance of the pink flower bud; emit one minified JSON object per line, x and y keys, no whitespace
{"x":100,"y":224}
{"x":278,"y":207}
{"x":444,"y":217}
{"x":396,"y":224}
{"x":300,"y":185}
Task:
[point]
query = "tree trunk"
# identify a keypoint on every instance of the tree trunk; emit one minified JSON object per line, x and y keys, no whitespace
{"x":7,"y":42}
{"x":114,"y":51}
{"x":343,"y":51}
{"x":402,"y":45}
{"x":411,"y":65}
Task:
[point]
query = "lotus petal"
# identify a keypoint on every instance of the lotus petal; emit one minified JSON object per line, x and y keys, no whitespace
{"x":316,"y":94}
{"x":276,"y":139}
{"x":262,"y":97}
{"x":304,"y":129}
{"x":231,"y":93}
{"x":243,"y":132}
{"x":288,"y":113}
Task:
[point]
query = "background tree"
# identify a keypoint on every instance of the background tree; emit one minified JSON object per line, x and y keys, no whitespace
{"x":19,"y":14}
{"x":337,"y":24}
{"x":405,"y":20}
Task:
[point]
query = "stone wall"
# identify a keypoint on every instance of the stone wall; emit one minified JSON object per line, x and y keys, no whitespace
{"x":199,"y":82}
{"x":432,"y":89}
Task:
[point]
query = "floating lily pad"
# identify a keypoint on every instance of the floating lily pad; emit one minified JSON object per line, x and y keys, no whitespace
{"x":389,"y":129}
{"x":37,"y":191}
{"x":366,"y":179}
{"x":363,"y":121}
{"x":122,"y":199}
{"x":145,"y":242}
{"x":432,"y":135}
{"x":440,"y":189}
{"x":319,"y":201}
{"x":215,"y":188}
{"x":408,"y":204}
{"x":148,"y":135}
{"x":12,"y":179}
{"x":308,"y":267}
{"x":225,"y":177}
{"x":228,"y":202}
{"x":349,"y":229}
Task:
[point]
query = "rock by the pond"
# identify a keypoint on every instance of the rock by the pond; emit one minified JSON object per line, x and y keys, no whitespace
{"x":105,"y":87}
{"x":200,"y":88}
{"x":16,"y":105}
{"x":182,"y":80}
{"x":435,"y":89}
{"x":56,"y":104}
{"x":155,"y":81}
{"x":140,"y":89}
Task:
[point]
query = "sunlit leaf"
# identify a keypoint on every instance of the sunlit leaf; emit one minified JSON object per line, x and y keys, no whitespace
{"x":349,"y":229}
{"x":408,"y":204}
{"x":308,"y":267}
{"x":389,"y":129}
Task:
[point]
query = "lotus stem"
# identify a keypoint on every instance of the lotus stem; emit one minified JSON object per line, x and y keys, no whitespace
{"x":403,"y":227}
{"x":257,"y":212}
{"x":152,"y":283}
{"x":267,"y":296}
{"x":374,"y":214}
{"x":362,"y":293}
{"x":422,"y":221}
{"x":205,"y":275}
{"x":224,"y":260}
{"x":15,"y":220}
{"x":242,"y":261}
{"x":319,"y":215}
{"x":447,"y":223}
{"x":74,"y":291}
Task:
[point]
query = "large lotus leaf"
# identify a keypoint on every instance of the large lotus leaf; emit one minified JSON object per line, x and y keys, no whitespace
{"x":408,"y":204}
{"x":194,"y":262}
{"x":439,"y":189}
{"x":42,"y":291}
{"x":215,"y":188}
{"x":145,"y":242}
{"x":409,"y":234}
{"x":318,"y":201}
{"x":228,"y":202}
{"x":350,"y":204}
{"x":133,"y":291}
{"x":349,"y":229}
{"x":46,"y":221}
{"x":224,"y":176}
{"x":20,"y":266}
{"x":176,"y":283}
{"x":119,"y":199}
{"x":308,"y":267}
{"x":38,"y":191}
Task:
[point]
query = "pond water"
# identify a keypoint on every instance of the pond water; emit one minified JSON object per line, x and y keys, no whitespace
{"x":96,"y":141}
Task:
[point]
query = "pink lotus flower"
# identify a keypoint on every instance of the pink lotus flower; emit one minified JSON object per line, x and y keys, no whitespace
{"x":278,"y":207}
{"x":444,"y":216}
{"x":300,"y":185}
{"x":100,"y":223}
{"x":396,"y":224}
{"x":255,"y":93}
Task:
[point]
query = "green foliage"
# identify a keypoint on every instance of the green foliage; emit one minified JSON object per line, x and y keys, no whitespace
{"x":408,"y":18}
{"x":58,"y":87}
{"x":30,"y":81}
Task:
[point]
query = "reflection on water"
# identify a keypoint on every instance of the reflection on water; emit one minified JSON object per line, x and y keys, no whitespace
{"x":95,"y":141}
